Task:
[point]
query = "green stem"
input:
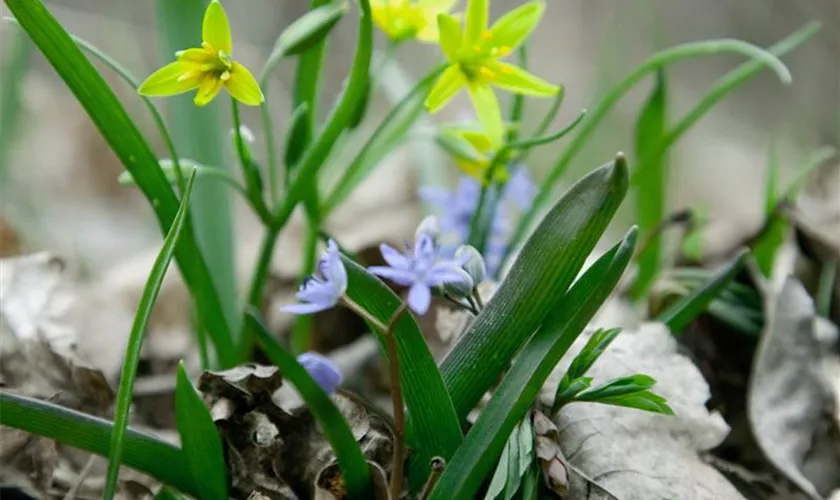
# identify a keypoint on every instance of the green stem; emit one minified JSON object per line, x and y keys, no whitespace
{"x":517,"y":108}
{"x":270,"y":154}
{"x":250,"y":171}
{"x":397,"y":401}
{"x":258,"y":282}
{"x":760,"y":58}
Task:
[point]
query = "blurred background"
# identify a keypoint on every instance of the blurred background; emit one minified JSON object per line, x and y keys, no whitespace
{"x":59,"y":179}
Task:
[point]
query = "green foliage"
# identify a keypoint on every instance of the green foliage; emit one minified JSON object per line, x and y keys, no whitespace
{"x":135,"y":340}
{"x":573,"y":382}
{"x":532,"y":367}
{"x":631,"y":392}
{"x":353,"y":464}
{"x":297,"y":137}
{"x":516,"y":461}
{"x":200,"y":441}
{"x":650,"y":182}
{"x":306,"y":32}
{"x":131,"y":148}
{"x":547,"y":265}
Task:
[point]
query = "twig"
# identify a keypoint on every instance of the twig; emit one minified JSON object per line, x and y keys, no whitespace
{"x":74,"y":490}
{"x":438,"y":464}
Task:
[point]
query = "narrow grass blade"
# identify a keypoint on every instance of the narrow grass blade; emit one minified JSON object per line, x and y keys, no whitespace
{"x":759,"y":59}
{"x":520,"y":387}
{"x":135,"y":340}
{"x":354,"y":467}
{"x":198,"y":134}
{"x":303,"y":34}
{"x":650,"y":183}
{"x":143,"y":453}
{"x":773,"y":233}
{"x":434,"y":426}
{"x":16,"y":53}
{"x":547,"y":265}
{"x":200,"y":441}
{"x":131,"y":148}
{"x":680,"y":314}
{"x":387,"y":135}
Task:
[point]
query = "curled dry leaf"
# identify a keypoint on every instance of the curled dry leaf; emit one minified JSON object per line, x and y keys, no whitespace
{"x":275,"y":447}
{"x":329,"y":484}
{"x":792,"y":399}
{"x":634,"y":454}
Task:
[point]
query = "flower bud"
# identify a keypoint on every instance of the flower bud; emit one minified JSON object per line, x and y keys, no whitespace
{"x":472,"y":262}
{"x":459,"y":288}
{"x":429,"y":226}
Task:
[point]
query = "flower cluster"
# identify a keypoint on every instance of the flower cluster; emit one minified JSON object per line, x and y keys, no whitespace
{"x":458,"y":206}
{"x":208,"y":68}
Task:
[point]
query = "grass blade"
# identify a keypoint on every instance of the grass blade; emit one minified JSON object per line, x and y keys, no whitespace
{"x":680,"y":314}
{"x":110,"y":118}
{"x":649,"y":181}
{"x":759,"y":59}
{"x":17,"y":53}
{"x":200,"y":441}
{"x":433,"y":427}
{"x":197,"y":133}
{"x":354,"y":467}
{"x":135,"y":340}
{"x":143,"y":453}
{"x":520,"y":387}
{"x":547,"y":265}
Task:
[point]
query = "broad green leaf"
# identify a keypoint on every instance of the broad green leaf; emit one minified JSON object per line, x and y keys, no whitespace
{"x":166,"y":493}
{"x":200,"y":441}
{"x":142,"y":452}
{"x":759,"y":59}
{"x":198,"y":134}
{"x":131,"y":148}
{"x":135,"y":340}
{"x":547,"y":265}
{"x":521,"y":385}
{"x":361,"y":109}
{"x":354,"y":467}
{"x":297,"y":137}
{"x":306,"y":32}
{"x":388,"y":134}
{"x":433,"y":426}
{"x":680,"y":314}
{"x":650,"y":183}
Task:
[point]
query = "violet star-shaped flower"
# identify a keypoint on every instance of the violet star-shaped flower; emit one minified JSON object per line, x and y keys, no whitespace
{"x":421,"y":269}
{"x":324,"y":289}
{"x":322,"y":370}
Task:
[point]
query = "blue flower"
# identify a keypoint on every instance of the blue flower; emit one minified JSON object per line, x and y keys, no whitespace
{"x":323,"y":290}
{"x":322,"y":370}
{"x":421,"y":268}
{"x":457,"y":207}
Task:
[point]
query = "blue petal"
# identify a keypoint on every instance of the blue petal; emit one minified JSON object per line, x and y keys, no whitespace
{"x":304,"y":308}
{"x":394,"y":258}
{"x":398,"y":276}
{"x":322,"y":370}
{"x":419,"y":298}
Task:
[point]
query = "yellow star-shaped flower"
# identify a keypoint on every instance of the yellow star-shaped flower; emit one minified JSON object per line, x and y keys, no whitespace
{"x":474,"y":54}
{"x":473,"y":151}
{"x":208,"y":68}
{"x":402,"y":20}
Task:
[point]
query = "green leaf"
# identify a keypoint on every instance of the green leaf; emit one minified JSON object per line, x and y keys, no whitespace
{"x":361,"y":109}
{"x":297,"y":137}
{"x":680,"y":314}
{"x":354,"y":467}
{"x":458,"y":146}
{"x":775,"y":227}
{"x":388,"y":134}
{"x":142,"y":452}
{"x":547,"y":265}
{"x":568,"y":389}
{"x":306,"y":32}
{"x":619,"y":387}
{"x":595,"y":346}
{"x":166,"y":493}
{"x":532,"y":367}
{"x":517,"y":458}
{"x":128,"y":144}
{"x":759,"y":59}
{"x":639,"y":399}
{"x":188,"y":167}
{"x":433,"y":425}
{"x":198,"y":134}
{"x":650,"y":182}
{"x":17,"y":54}
{"x":135,"y":340}
{"x":200,"y":440}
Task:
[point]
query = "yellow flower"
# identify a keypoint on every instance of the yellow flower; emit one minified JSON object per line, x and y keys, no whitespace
{"x":401,"y":20}
{"x":208,"y":68}
{"x":474,"y":54}
{"x":473,"y":151}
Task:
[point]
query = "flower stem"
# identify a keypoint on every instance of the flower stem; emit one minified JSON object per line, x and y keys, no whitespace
{"x":399,"y":410}
{"x":258,"y":282}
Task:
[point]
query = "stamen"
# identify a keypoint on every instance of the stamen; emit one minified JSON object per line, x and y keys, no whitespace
{"x":504,"y":50}
{"x":487,"y":72}
{"x":186,"y":76}
{"x":225,"y":76}
{"x":507,"y":70}
{"x":487,"y":34}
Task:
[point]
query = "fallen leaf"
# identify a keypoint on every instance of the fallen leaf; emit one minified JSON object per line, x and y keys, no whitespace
{"x":791,"y":400}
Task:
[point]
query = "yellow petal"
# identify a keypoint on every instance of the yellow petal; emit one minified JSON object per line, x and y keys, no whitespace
{"x":517,"y":80}
{"x":476,"y":22}
{"x":514,"y":27}
{"x":447,"y":85}
{"x":243,"y":86}
{"x":209,"y":89}
{"x":450,"y":35}
{"x":487,"y":110}
{"x":216,"y":30}
{"x":196,"y":55}
{"x":174,"y":78}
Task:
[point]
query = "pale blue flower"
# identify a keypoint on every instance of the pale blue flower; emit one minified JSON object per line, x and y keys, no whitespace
{"x":421,"y":268}
{"x":322,"y":370}
{"x":323,"y":290}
